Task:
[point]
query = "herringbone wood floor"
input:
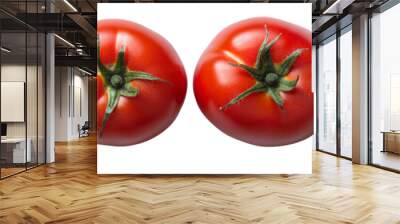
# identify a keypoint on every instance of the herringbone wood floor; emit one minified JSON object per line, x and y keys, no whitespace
{"x":69,"y":191}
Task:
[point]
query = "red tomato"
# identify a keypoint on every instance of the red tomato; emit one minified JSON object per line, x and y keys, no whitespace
{"x":253,"y":82}
{"x":141,"y":83}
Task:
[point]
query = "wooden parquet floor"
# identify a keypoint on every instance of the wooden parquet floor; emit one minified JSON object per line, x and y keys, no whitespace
{"x":70,"y":191}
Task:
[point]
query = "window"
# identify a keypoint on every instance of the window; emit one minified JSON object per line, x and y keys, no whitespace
{"x":327,"y":95}
{"x":334,"y":106}
{"x":346,"y":92}
{"x":385,"y":89}
{"x":22,"y":75}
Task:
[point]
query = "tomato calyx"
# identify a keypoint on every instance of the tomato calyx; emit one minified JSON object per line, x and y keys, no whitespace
{"x":270,"y":77}
{"x":117,"y":83}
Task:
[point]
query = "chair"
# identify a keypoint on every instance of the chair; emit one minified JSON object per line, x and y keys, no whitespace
{"x":84,"y":130}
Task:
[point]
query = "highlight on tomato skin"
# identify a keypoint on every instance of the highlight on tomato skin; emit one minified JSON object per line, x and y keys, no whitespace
{"x":254,"y":82}
{"x":141,"y":83}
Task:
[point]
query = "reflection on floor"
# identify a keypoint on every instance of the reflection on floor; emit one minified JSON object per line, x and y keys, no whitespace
{"x":386,"y":159}
{"x":8,"y":170}
{"x":70,"y":191}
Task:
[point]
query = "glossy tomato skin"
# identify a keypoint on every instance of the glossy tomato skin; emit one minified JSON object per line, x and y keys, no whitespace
{"x":137,"y":119}
{"x":257,"y":119}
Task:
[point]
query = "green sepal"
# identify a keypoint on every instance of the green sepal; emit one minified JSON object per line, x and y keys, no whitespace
{"x":276,"y":96}
{"x":129,"y":90}
{"x":252,"y":71}
{"x":258,"y":87}
{"x":134,"y":75}
{"x":104,"y":72}
{"x":113,"y":98}
{"x":120,"y":66}
{"x":285,"y":66}
{"x":261,"y":49}
{"x":264,"y":61}
{"x":287,"y":85}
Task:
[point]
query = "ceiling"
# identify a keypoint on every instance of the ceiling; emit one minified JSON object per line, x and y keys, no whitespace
{"x":75,"y":21}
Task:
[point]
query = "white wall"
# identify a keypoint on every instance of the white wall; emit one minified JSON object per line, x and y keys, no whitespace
{"x":70,"y":83}
{"x":61,"y":103}
{"x":81,"y":85}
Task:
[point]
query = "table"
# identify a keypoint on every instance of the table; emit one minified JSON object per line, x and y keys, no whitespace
{"x":391,"y":141}
{"x":17,"y":152}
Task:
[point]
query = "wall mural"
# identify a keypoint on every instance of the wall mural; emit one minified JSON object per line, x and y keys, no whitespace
{"x":249,"y":96}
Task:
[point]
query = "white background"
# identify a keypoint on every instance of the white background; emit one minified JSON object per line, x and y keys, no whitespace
{"x":192,"y":145}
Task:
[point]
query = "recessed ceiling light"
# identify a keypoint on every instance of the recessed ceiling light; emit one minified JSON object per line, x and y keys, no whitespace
{"x":84,"y":71}
{"x":64,"y":40}
{"x":5,"y":50}
{"x":338,"y":6}
{"x":70,"y":5}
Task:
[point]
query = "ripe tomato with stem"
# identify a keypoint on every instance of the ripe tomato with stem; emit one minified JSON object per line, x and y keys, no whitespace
{"x":141,"y":83}
{"x":254,"y":82}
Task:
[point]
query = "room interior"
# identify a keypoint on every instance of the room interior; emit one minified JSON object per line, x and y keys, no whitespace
{"x":48,"y":93}
{"x":22,"y":102}
{"x":336,"y":80}
{"x":385,"y":106}
{"x":24,"y":97}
